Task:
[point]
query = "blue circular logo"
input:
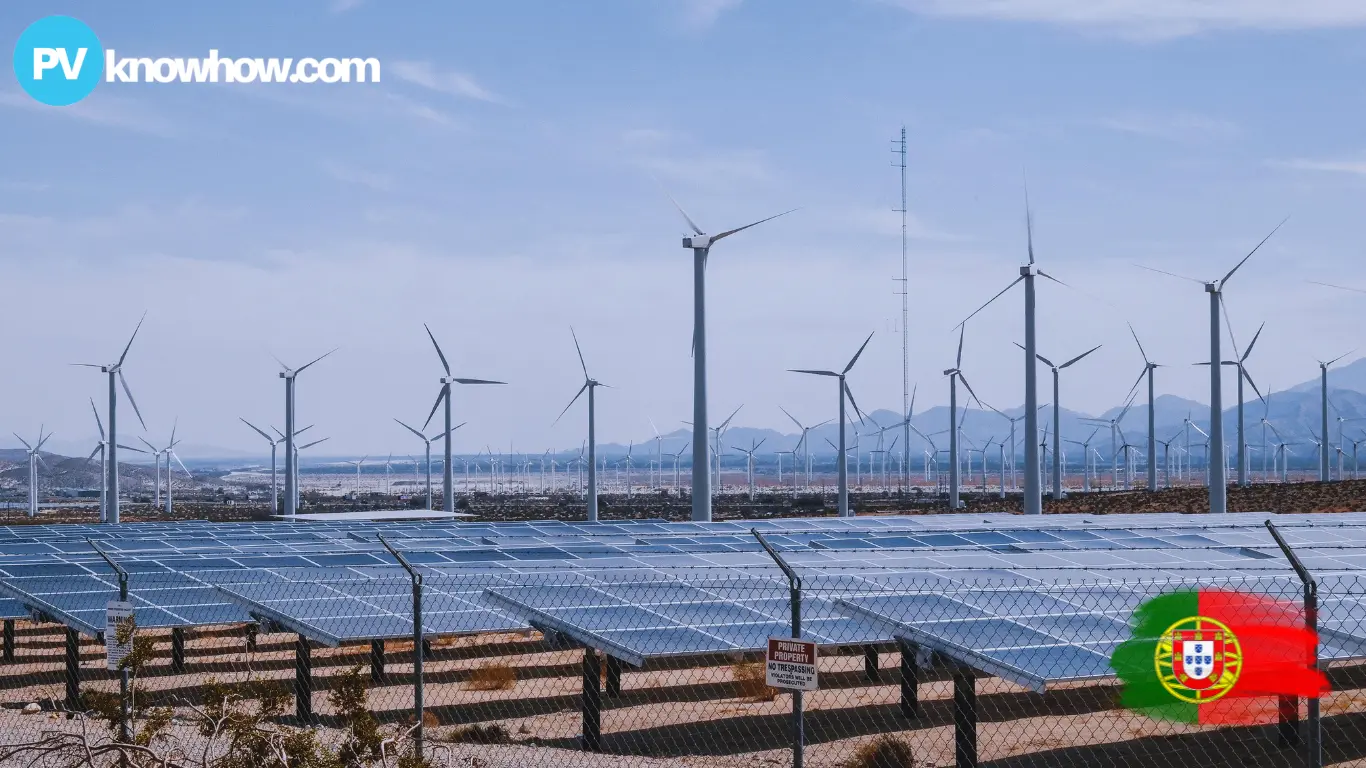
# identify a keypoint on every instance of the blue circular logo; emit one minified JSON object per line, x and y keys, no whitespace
{"x":58,"y":60}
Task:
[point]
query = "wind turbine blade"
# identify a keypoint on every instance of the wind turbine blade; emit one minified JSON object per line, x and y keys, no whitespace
{"x":964,"y":379}
{"x":823,"y":423}
{"x":855,"y":358}
{"x":477,"y":381}
{"x":790,"y":416}
{"x":445,"y":392}
{"x":314,"y":360}
{"x":850,"y":393}
{"x":1045,"y":361}
{"x":1224,"y":282}
{"x":730,"y":232}
{"x":1312,"y":282}
{"x":813,"y":373}
{"x":174,"y":425}
{"x":1248,"y":376}
{"x":756,"y":445}
{"x":149,"y":445}
{"x":310,"y":445}
{"x":457,"y":426}
{"x":1339,"y":357}
{"x":696,"y":229}
{"x":1054,"y":279}
{"x":726,"y":423}
{"x":86,"y":365}
{"x":91,"y":457}
{"x":1141,"y":351}
{"x":582,"y":364}
{"x":1029,"y":223}
{"x":131,"y":448}
{"x":1170,"y":274}
{"x":22,"y":440}
{"x":914,"y":389}
{"x":131,"y":401}
{"x":1229,"y":324}
{"x":1137,"y":381}
{"x":571,"y":404}
{"x":1255,"y":336}
{"x":439,"y":353}
{"x":962,"y":330}
{"x":182,"y":465}
{"x":1078,"y":357}
{"x":98,"y":423}
{"x":130,"y":341}
{"x":993,"y":298}
{"x":410,"y":429}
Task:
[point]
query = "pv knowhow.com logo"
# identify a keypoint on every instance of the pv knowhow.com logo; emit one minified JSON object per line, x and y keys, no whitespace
{"x":59,"y":61}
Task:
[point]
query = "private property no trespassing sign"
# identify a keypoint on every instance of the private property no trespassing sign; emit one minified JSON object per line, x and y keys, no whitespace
{"x":791,"y":664}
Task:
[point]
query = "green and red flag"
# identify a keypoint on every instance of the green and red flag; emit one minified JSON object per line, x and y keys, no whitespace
{"x":1217,"y":657}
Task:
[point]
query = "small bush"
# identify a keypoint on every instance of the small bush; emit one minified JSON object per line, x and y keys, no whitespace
{"x":885,"y":752}
{"x":493,"y":677}
{"x":750,"y":675}
{"x":478,"y":733}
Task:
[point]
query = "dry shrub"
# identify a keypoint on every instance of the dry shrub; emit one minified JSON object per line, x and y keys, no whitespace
{"x":478,"y":733}
{"x":750,"y":675}
{"x":429,"y":720}
{"x":492,"y":677}
{"x":884,"y":752}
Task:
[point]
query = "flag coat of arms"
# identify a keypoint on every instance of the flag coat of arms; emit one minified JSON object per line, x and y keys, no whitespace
{"x":1217,"y":656}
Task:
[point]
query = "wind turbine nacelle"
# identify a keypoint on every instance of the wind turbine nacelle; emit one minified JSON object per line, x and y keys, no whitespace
{"x":697,"y":241}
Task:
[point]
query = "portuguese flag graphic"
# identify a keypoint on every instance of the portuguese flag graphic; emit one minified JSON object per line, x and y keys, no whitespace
{"x":1218,"y":657}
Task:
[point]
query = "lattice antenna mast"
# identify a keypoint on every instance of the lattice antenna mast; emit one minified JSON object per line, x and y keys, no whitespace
{"x":903,"y":288}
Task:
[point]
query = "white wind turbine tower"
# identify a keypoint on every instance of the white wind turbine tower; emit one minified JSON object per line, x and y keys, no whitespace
{"x":101,"y":448}
{"x":33,"y":460}
{"x":357,"y":465}
{"x":1113,"y":424}
{"x":388,"y":466}
{"x":749,"y":466}
{"x":1057,"y":417}
{"x":844,"y":391}
{"x":955,"y":425}
{"x":291,"y":457}
{"x":297,"y":449}
{"x":659,"y":450}
{"x":1085,"y":459}
{"x":168,"y":452}
{"x":1218,"y":490}
{"x":171,"y":454}
{"x":1323,"y":392}
{"x":589,"y":384}
{"x":1148,"y":368}
{"x":115,"y":370}
{"x":1243,"y":375}
{"x":1033,"y":498}
{"x":802,"y":443}
{"x":701,"y":244}
{"x":427,"y":444}
{"x":677,"y":478}
{"x":297,"y":432}
{"x":274,"y":483}
{"x":448,"y":498}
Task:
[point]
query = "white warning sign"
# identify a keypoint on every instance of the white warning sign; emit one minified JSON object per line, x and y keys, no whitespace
{"x":791,"y":664}
{"x":116,"y":613}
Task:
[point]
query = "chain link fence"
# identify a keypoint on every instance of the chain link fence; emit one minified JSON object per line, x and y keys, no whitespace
{"x":632,"y":667}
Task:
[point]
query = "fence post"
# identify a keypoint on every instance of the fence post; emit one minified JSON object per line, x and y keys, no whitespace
{"x":418,"y":649}
{"x":125,"y":731}
{"x":795,"y":586}
{"x":1313,"y":757}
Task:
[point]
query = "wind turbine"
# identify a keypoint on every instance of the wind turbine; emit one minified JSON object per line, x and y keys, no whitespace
{"x":274,"y":483}
{"x":1033,"y":498}
{"x":444,"y":396}
{"x":589,"y":384}
{"x":955,"y":424}
{"x":305,"y":446}
{"x":115,"y":370}
{"x":168,"y":452}
{"x":1057,"y":416}
{"x":1113,"y":424}
{"x":33,"y":460}
{"x":1323,"y":390}
{"x":357,"y":465}
{"x":677,"y":457}
{"x":843,"y":392}
{"x":427,"y":444}
{"x":1148,"y":368}
{"x":1218,"y":490}
{"x":701,"y":245}
{"x":1086,"y":459}
{"x":749,"y":455}
{"x":802,"y":443}
{"x":1237,"y":361}
{"x":102,"y":449}
{"x":291,"y":468}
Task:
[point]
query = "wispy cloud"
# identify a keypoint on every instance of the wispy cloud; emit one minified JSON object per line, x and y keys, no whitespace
{"x":1155,"y":18}
{"x":672,"y":156}
{"x":1171,"y":127}
{"x":700,"y":14}
{"x":424,"y":74}
{"x":342,"y":6}
{"x":380,"y":182}
{"x":100,"y":110}
{"x":1353,"y":165}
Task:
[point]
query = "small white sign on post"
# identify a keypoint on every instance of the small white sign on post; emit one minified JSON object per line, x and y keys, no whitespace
{"x":116,"y":613}
{"x":791,"y":664}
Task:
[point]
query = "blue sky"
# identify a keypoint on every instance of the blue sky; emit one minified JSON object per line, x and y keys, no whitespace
{"x":498,"y":185}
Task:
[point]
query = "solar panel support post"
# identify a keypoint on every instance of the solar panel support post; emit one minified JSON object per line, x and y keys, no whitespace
{"x":178,"y":650}
{"x":871,"y":669}
{"x":964,"y":718}
{"x":591,"y":702}
{"x":377,"y":661}
{"x":251,"y":631}
{"x":9,"y":640}
{"x":303,"y":680}
{"x":419,"y":644}
{"x":613,"y":676}
{"x":795,"y":586}
{"x":73,"y":672}
{"x":910,"y":680}
{"x":125,"y":713}
{"x":1313,"y":757}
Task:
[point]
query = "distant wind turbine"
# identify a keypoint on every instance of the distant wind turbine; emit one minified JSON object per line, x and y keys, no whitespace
{"x":115,"y":370}
{"x":844,"y":392}
{"x":589,"y":384}
{"x":444,"y":396}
